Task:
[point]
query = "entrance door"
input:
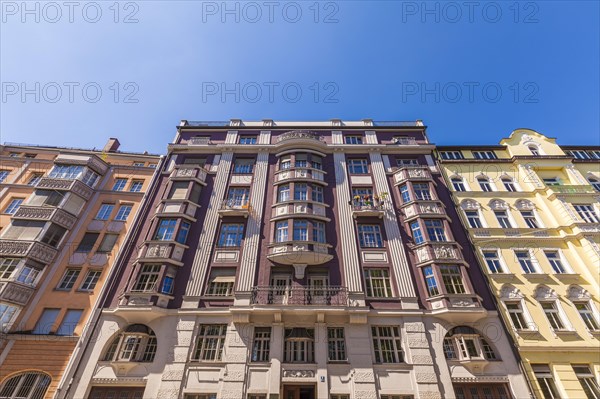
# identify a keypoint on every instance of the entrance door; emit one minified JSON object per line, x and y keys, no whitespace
{"x":298,"y":392}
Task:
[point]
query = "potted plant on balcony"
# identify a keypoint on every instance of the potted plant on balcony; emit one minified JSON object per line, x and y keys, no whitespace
{"x":356,"y":202}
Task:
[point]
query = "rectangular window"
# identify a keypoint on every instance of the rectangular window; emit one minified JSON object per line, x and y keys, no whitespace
{"x":317,"y":193}
{"x":493,"y":261}
{"x":300,"y":191}
{"x":14,"y":205}
{"x":336,"y":344}
{"x":108,"y":242}
{"x":553,"y":315}
{"x":451,"y":155}
{"x":231,"y":235}
{"x":69,"y":278}
{"x":119,"y":185}
{"x":92,"y":277}
{"x":422,"y":192}
{"x":358,"y":166}
{"x":281,"y":231}
{"x":123,"y":213}
{"x":552,"y":181}
{"x":66,"y":171}
{"x":138,"y":164}
{"x":247,"y":139}
{"x":587,"y":380}
{"x":184,"y":229}
{"x":587,"y":213}
{"x":7,"y":313}
{"x":407,"y":162}
{"x":587,"y":315}
{"x":579,"y":154}
{"x":452,"y":279}
{"x":35,"y":179}
{"x":300,"y":230}
{"x":105,"y":211}
{"x":555,"y":261}
{"x":261,"y":346}
{"x":283,"y":193}
{"x":526,"y":262}
{"x":369,"y":236}
{"x":543,"y":375}
{"x":87,"y":242}
{"x":449,"y":348}
{"x":136,"y":186}
{"x":3,"y":175}
{"x":386,"y":344}
{"x":458,"y":184}
{"x":509,"y":185}
{"x":7,"y":267}
{"x":166,"y":229}
{"x":299,"y":345}
{"x":28,"y":275}
{"x":485,"y":185}
{"x":146,"y":281}
{"x":484,"y":155}
{"x":168,"y":285}
{"x":179,"y":190}
{"x":53,"y":235}
{"x":430,"y":281}
{"x":435,"y":230}
{"x":530,"y":219}
{"x":515,"y":312}
{"x":201,"y":396}
{"x":378,"y":283}
{"x":417,"y":233}
{"x":69,"y":322}
{"x":319,"y":232}
{"x":354,"y":139}
{"x":221,"y":282}
{"x":238,"y":196}
{"x":503,"y":219}
{"x":243,"y":165}
{"x":210,"y":342}
{"x":45,"y":323}
{"x":473,"y":219}
{"x":405,"y":193}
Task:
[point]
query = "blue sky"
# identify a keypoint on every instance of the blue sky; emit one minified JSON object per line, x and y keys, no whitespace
{"x":76,"y":75}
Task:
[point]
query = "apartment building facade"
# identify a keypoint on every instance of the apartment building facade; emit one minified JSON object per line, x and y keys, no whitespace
{"x":532,"y":211}
{"x":65,"y":214}
{"x":297,"y":260}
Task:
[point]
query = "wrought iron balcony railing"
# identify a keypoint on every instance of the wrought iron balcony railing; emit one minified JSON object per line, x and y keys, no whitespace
{"x":300,"y":296}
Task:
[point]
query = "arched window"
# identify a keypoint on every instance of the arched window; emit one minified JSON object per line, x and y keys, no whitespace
{"x":137,"y":343}
{"x":485,"y":184}
{"x":25,"y":386}
{"x":534,"y":150}
{"x":458,"y":184}
{"x":595,"y":183}
{"x":465,"y":343}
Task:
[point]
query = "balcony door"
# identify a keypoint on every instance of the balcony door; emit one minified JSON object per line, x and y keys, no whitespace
{"x":317,"y":290}
{"x":280,"y":288}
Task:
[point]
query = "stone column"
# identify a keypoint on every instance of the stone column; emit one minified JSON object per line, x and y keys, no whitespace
{"x":276,"y":360}
{"x":321,"y":355}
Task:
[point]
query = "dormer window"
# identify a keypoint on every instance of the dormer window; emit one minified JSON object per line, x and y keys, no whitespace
{"x":353,"y":139}
{"x":451,"y":155}
{"x":534,"y":150}
{"x":484,"y":155}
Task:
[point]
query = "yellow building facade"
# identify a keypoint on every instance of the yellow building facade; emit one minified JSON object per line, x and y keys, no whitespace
{"x":532,"y":209}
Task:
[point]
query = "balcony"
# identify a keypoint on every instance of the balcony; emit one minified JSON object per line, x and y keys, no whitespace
{"x":74,"y":185}
{"x":178,"y":208}
{"x":235,"y":207}
{"x":146,"y":298}
{"x":299,"y":135}
{"x":300,"y":296}
{"x":299,"y":253}
{"x":199,"y":141}
{"x":162,"y":251}
{"x":307,"y":174}
{"x":404,"y":141}
{"x":438,"y":252}
{"x":47,"y":214}
{"x":30,"y":249}
{"x":299,"y":208}
{"x":195,"y":173}
{"x":423,"y":208}
{"x":412,"y":173}
{"x":572,"y":189}
{"x":15,"y":292}
{"x":367,"y":208}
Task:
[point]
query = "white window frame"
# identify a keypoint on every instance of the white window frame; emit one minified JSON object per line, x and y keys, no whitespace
{"x":534,"y":262}
{"x":13,"y":206}
{"x":593,"y":311}
{"x":557,"y":310}
{"x":561,"y":257}
{"x":503,"y":269}
{"x":528,"y":320}
{"x":587,"y":215}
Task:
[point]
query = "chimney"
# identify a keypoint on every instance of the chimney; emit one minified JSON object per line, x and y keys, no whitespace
{"x":112,"y":145}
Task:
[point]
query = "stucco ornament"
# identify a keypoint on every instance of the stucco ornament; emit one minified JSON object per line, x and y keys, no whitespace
{"x":524,"y":204}
{"x":498,"y":205}
{"x":469,"y":204}
{"x":543,"y":292}
{"x":577,"y":293}
{"x":510,"y":292}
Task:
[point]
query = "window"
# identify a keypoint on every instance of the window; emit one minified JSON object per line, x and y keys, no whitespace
{"x":137,"y":343}
{"x":509,"y":184}
{"x":484,"y":183}
{"x":465,"y":343}
{"x":231,"y":235}
{"x":430,"y":281}
{"x":146,"y":281}
{"x":552,"y":181}
{"x":369,"y":236}
{"x":166,"y":229}
{"x":28,"y":275}
{"x":107,"y":243}
{"x":503,"y":220}
{"x":422,"y":192}
{"x":484,"y":155}
{"x":435,"y":230}
{"x":579,"y":154}
{"x":515,"y":312}
{"x":123,"y":212}
{"x":451,"y":155}
{"x":105,"y":211}
{"x":247,"y":139}
{"x":473,"y":219}
{"x":7,"y":267}
{"x":452,"y":279}
{"x":458,"y":184}
{"x":285,"y":162}
{"x":35,"y":179}
{"x":184,"y":229}
{"x":534,"y":150}
{"x":300,"y":230}
{"x":6,"y":314}
{"x":319,"y":232}
{"x":405,"y":193}
{"x":317,"y":193}
{"x":14,"y":205}
{"x":299,"y":345}
{"x":210,"y":342}
{"x":407,"y":162}
{"x":179,"y":190}
{"x":358,"y":166}
{"x":168,"y":285}
{"x":526,"y":261}
{"x":139,"y":164}
{"x":208,"y":396}
{"x":587,"y":315}
{"x":587,"y":380}
{"x":417,"y":233}
{"x":543,"y":375}
{"x":378,"y":283}
{"x":87,"y":242}
{"x":26,"y":386}
{"x":386,"y":344}
{"x":355,"y":139}
{"x":66,"y":171}
{"x":69,"y":322}
{"x":243,"y":165}
{"x":53,"y":235}
{"x":336,"y":344}
{"x":555,"y":261}
{"x":92,"y":277}
{"x":221,"y":282}
{"x":68,"y":280}
{"x":281,"y":231}
{"x":530,"y":219}
{"x":595,"y":154}
{"x":316,"y":162}
{"x":46,"y":197}
{"x":238,"y":196}
{"x":300,"y":191}
{"x":553,"y":315}
{"x":195,"y":161}
{"x":587,"y":213}
{"x":261,"y":345}
{"x":46,"y":321}
{"x":120,"y":185}
{"x":301,"y":161}
{"x":14,"y":154}
{"x":3,"y":175}
{"x":595,"y":183}
{"x":492,"y":259}
{"x":136,"y":186}
{"x":284,"y":193}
